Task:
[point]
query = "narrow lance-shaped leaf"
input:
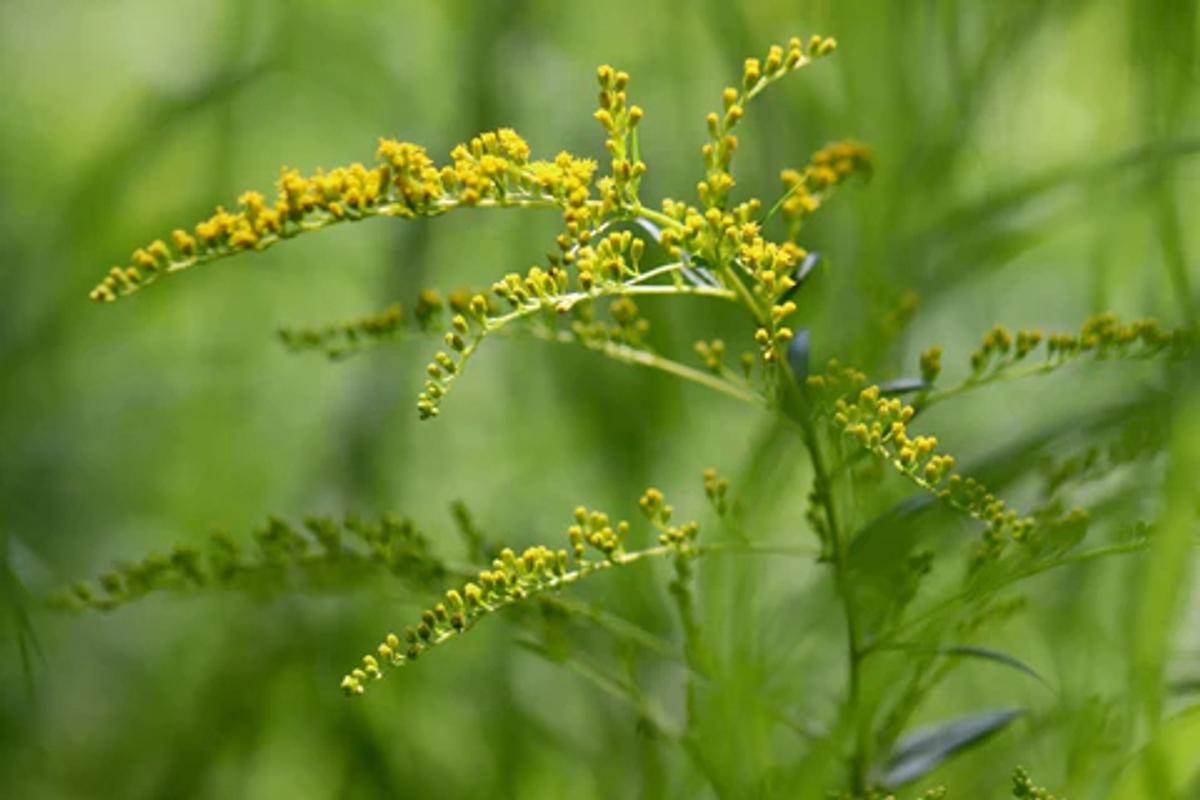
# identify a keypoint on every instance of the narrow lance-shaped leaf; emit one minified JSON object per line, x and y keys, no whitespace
{"x":921,"y":752}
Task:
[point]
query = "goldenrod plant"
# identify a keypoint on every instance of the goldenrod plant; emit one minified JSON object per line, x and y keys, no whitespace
{"x":914,"y":610}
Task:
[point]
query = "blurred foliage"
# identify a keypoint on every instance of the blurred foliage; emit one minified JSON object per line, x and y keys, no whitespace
{"x":1035,"y":162}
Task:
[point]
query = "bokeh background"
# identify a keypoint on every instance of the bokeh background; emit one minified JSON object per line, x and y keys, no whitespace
{"x":1036,"y":161}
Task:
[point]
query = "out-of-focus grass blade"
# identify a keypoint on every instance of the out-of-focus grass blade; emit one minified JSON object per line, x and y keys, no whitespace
{"x":1165,"y":579}
{"x":620,"y":628}
{"x":994,"y":230}
{"x":1010,"y":200}
{"x":921,"y":752}
{"x":610,"y":685}
{"x":16,"y":597}
{"x":1175,"y":750}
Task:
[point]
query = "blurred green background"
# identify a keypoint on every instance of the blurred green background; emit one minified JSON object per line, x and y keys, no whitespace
{"x":1035,"y":162}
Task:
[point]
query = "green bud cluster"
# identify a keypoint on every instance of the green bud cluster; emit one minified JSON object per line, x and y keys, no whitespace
{"x":1101,"y":336}
{"x":342,"y":339}
{"x":838,"y":381}
{"x":1023,"y":787}
{"x":280,"y":552}
{"x":931,"y":364}
{"x":627,"y":326}
{"x":716,"y":488}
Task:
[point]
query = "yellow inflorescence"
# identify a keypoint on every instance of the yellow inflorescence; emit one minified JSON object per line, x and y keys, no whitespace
{"x":757,"y":74}
{"x":620,"y":121}
{"x":880,"y":424}
{"x":830,"y":166}
{"x":492,"y":169}
{"x":514,"y":577}
{"x":719,"y":247}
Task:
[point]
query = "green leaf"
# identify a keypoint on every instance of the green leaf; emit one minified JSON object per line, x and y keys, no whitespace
{"x":988,"y":654}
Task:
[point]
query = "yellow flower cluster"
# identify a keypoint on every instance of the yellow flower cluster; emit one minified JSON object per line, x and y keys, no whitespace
{"x":713,"y":234}
{"x":613,"y":258}
{"x":757,"y":74}
{"x":512,"y":578}
{"x":594,"y":528}
{"x":619,"y":120}
{"x":656,"y":509}
{"x":724,"y":237}
{"x":720,"y":249}
{"x":492,"y":169}
{"x":879,"y":424}
{"x":467,"y":330}
{"x":601,"y":267}
{"x":832,"y":165}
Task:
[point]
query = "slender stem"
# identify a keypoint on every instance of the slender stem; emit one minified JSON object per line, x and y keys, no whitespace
{"x":1008,"y":371}
{"x":996,"y":376}
{"x":614,"y":624}
{"x":632,"y":355}
{"x":783,"y":198}
{"x":744,"y":294}
{"x":565,"y":302}
{"x":854,"y":651}
{"x":699,"y":291}
{"x":665,"y":269}
{"x":657,"y":216}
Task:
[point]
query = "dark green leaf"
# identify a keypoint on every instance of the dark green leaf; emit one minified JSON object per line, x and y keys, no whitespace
{"x":988,"y":654}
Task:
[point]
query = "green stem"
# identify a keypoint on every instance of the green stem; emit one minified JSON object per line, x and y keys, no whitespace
{"x":657,"y":216}
{"x":632,"y":355}
{"x":854,"y":650}
{"x":565,"y":302}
